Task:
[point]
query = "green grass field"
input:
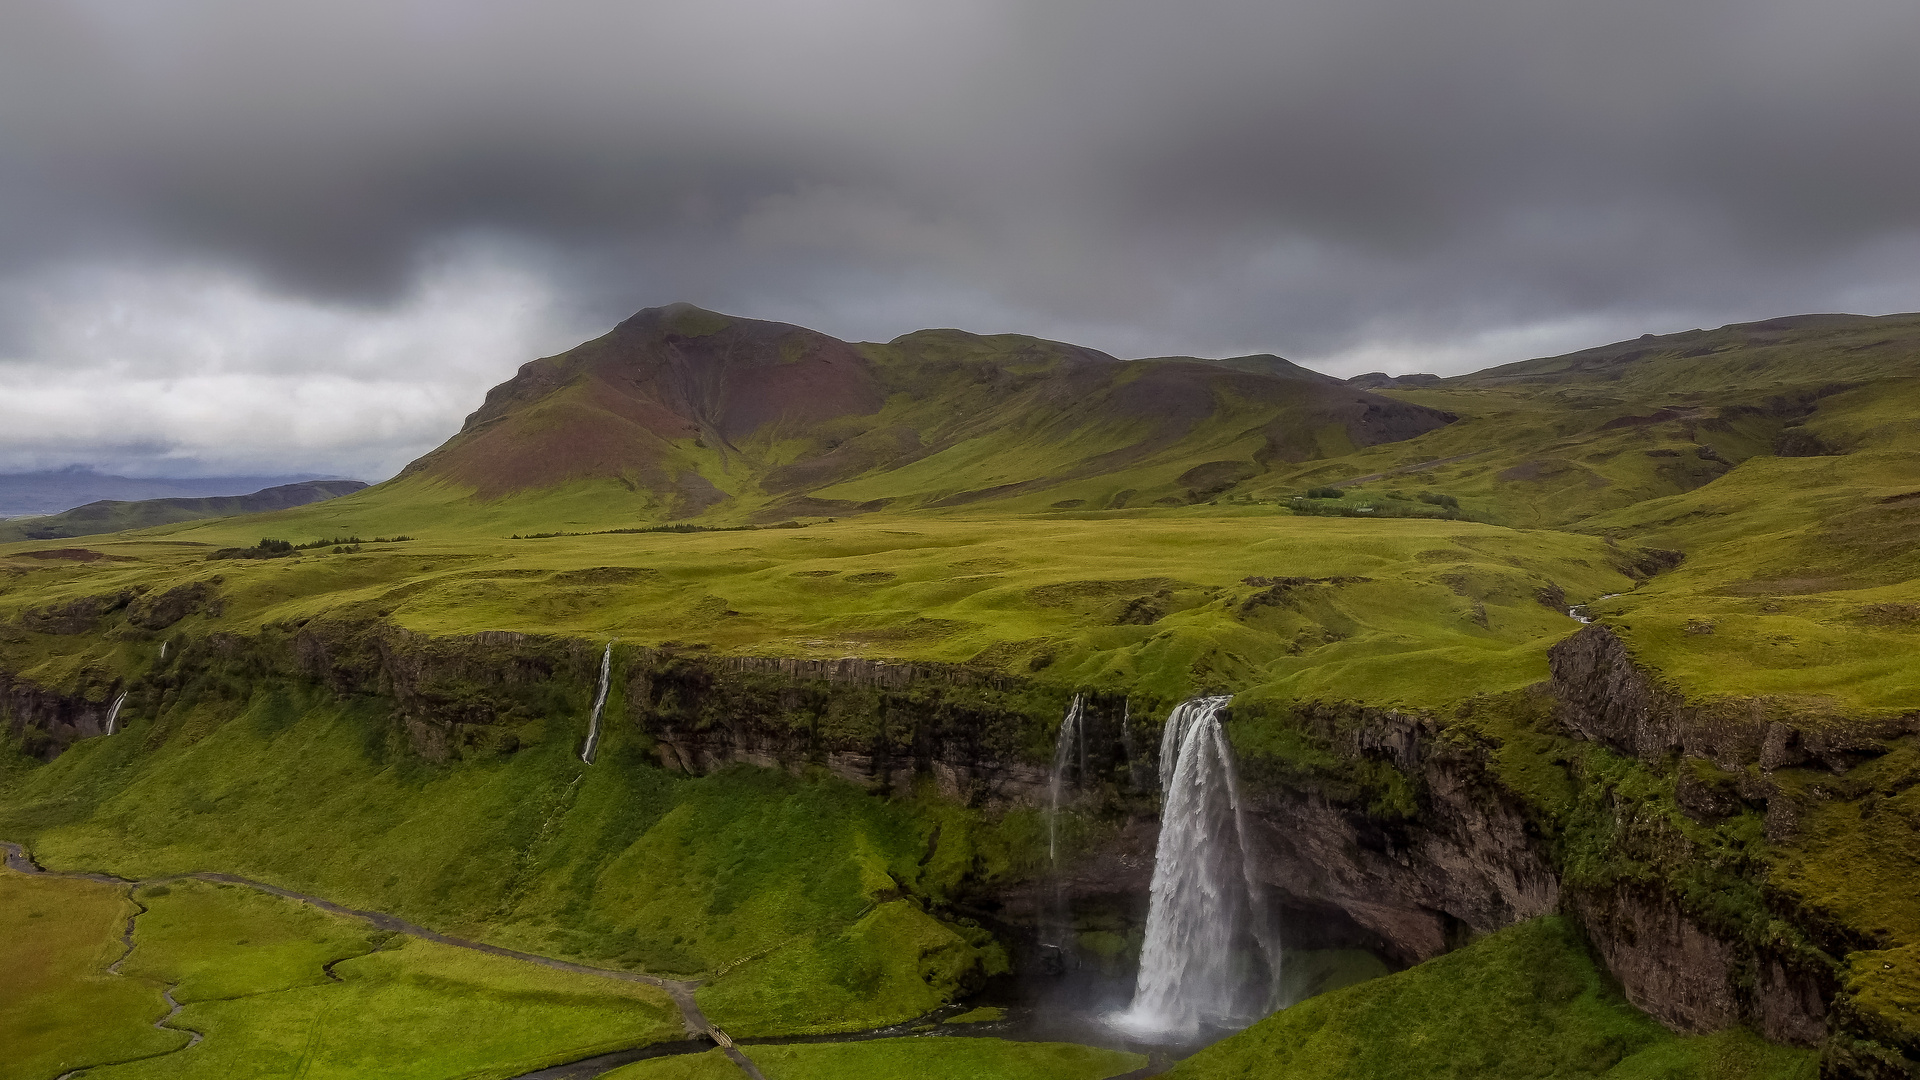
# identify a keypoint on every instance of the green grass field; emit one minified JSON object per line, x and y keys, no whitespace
{"x":282,"y":989}
{"x":59,"y":1007}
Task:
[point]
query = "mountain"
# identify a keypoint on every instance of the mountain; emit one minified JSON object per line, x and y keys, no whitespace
{"x":107,"y":515}
{"x":55,"y":490}
{"x":709,"y":414}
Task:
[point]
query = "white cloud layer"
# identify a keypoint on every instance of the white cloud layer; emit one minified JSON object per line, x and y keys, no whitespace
{"x":200,"y":370}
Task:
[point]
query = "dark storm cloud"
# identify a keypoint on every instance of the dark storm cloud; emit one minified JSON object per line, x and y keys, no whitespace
{"x":1404,"y":183}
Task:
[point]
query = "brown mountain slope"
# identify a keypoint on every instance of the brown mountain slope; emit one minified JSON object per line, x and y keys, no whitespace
{"x":710,"y":411}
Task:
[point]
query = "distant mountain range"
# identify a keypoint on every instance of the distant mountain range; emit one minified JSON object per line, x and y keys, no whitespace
{"x":54,"y":490}
{"x":108,"y":515}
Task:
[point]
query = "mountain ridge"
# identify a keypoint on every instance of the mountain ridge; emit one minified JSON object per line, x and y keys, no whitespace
{"x":701,"y":409}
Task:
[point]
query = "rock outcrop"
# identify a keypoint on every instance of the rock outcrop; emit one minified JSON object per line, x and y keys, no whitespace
{"x":1467,"y":862}
{"x":44,"y":722}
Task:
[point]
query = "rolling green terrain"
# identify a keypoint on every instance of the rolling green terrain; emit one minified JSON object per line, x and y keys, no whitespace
{"x":1029,"y":520}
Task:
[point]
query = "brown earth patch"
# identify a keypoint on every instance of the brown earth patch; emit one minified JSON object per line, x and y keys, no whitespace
{"x":74,"y":555}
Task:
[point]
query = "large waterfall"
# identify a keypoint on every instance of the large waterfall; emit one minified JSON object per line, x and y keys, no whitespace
{"x":1212,"y":955}
{"x":599,"y":702}
{"x":113,"y":713}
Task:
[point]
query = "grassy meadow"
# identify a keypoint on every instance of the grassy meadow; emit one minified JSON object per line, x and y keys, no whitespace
{"x":60,"y":1008}
{"x":280,"y":989}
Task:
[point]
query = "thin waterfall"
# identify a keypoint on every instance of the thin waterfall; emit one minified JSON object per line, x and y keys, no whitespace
{"x":599,"y":702}
{"x":163,"y":650}
{"x":1211,"y":957}
{"x":113,"y":712}
{"x":1056,"y":925}
{"x":1071,"y":744}
{"x":1135,"y":782}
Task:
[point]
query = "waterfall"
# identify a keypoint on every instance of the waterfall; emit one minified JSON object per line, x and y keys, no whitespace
{"x":1056,"y":924}
{"x":1207,"y":922}
{"x":1072,"y":743}
{"x":163,"y":650}
{"x":599,"y":702}
{"x":113,"y":712}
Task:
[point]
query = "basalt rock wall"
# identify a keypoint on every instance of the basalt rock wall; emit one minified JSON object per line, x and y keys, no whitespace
{"x":1675,"y":956}
{"x":983,"y":738}
{"x":45,"y":722}
{"x":1461,"y":859}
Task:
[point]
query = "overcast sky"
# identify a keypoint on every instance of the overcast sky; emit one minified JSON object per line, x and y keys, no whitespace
{"x":251,"y":237}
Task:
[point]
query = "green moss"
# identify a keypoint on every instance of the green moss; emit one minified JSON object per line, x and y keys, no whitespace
{"x":1524,"y":1002}
{"x":892,"y":965}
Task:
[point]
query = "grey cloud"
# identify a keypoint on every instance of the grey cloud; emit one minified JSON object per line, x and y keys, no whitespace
{"x":1416,"y":182}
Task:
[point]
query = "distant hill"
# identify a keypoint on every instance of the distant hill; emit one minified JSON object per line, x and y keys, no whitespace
{"x":1792,"y":351}
{"x":698,"y":412}
{"x":107,"y":515}
{"x":1258,"y":363}
{"x":54,"y":490}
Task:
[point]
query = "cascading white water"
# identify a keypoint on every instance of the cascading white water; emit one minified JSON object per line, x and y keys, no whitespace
{"x":1056,"y":925}
{"x":599,"y":702}
{"x":113,"y":712}
{"x":1072,"y":743}
{"x":1207,"y":923}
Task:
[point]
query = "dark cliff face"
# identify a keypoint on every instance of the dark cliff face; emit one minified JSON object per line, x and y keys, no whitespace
{"x":1674,"y":950}
{"x":1467,"y":862}
{"x":45,"y":722}
{"x":982,"y":737}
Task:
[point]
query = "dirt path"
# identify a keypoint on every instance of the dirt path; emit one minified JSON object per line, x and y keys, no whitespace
{"x":681,"y":991}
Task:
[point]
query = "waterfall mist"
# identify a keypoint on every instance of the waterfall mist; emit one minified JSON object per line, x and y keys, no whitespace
{"x":1212,"y":952}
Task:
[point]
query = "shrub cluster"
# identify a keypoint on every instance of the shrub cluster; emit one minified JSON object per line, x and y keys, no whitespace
{"x":265,"y":549}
